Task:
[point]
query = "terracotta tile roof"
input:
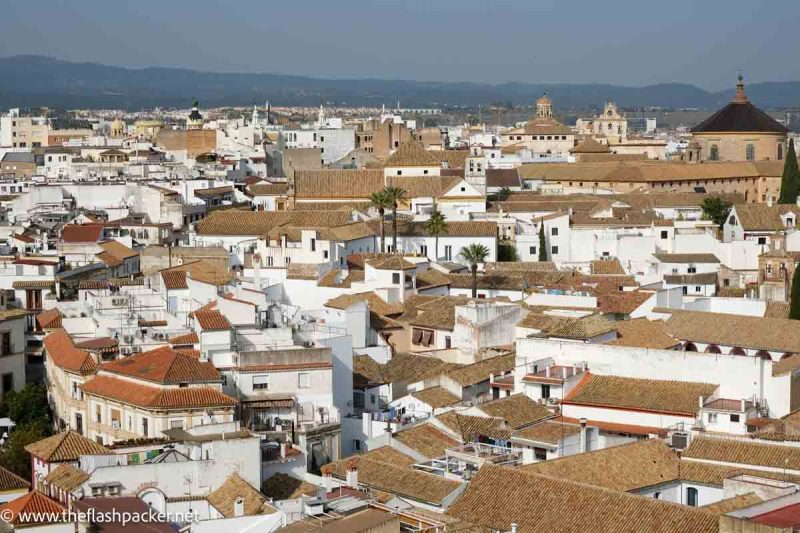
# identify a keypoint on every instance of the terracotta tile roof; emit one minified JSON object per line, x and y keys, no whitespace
{"x":427,"y":440}
{"x":118,"y":250}
{"x":32,"y":504}
{"x":502,"y":177}
{"x":395,"y":478}
{"x":268,"y":189}
{"x":607,"y":267}
{"x":33,"y":284}
{"x":155,"y":397}
{"x":505,"y":280}
{"x":405,"y":367}
{"x":49,"y":319}
{"x":763,"y":217}
{"x":99,"y":344}
{"x":66,"y":446}
{"x":777,"y":309}
{"x":66,"y":477}
{"x":740,"y":115}
{"x":548,"y":432}
{"x":744,"y":453}
{"x":455,"y":228}
{"x":375,"y":303}
{"x":622,"y":302}
{"x":62,"y":351}
{"x":687,"y":258}
{"x":174,"y":280}
{"x":391,"y":262}
{"x":213,"y":191}
{"x":280,"y":486}
{"x":615,"y":427}
{"x":325,"y":184}
{"x":643,"y":333}
{"x":212,"y":320}
{"x":82,"y":233}
{"x":492,"y":499}
{"x":590,"y":146}
{"x":411,"y":154}
{"x":186,"y":338}
{"x":431,"y":278}
{"x":469,"y":428}
{"x":164,"y":365}
{"x":758,"y":333}
{"x":660,"y":396}
{"x":259,"y":223}
{"x":625,"y":468}
{"x":224,"y":497}
{"x":517,"y":410}
{"x":436,"y":397}
{"x":645,"y":171}
{"x":10,"y":481}
{"x":521,"y":266}
{"x":455,"y":159}
{"x":200,"y":270}
{"x":566,"y":327}
{"x":735,"y":503}
{"x":482,"y":370}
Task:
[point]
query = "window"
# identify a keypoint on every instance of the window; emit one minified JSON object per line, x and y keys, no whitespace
{"x":697,"y":288}
{"x":554,"y":250}
{"x":664,"y":234}
{"x":399,"y":172}
{"x":532,"y":250}
{"x":423,"y":250}
{"x":447,"y":343}
{"x":712,"y":418}
{"x":8,"y":383}
{"x":734,"y":418}
{"x":714,"y":155}
{"x":176,"y":424}
{"x":395,"y":278}
{"x":657,"y":496}
{"x":98,"y":413}
{"x":762,"y":240}
{"x":261,"y":382}
{"x":692,"y":269}
{"x":732,"y":220}
{"x":553,"y":231}
{"x":691,"y":497}
{"x":303,"y":380}
{"x":750,"y":152}
{"x":685,"y":290}
{"x":448,"y":252}
{"x":546,"y":392}
{"x":540,"y":454}
{"x":313,"y":245}
{"x":6,"y":343}
{"x":356,"y":445}
{"x":145,"y":429}
{"x":324,"y":254}
{"x":780,"y":151}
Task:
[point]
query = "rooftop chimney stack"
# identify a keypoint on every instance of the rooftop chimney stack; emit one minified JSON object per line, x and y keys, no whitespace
{"x":352,"y":476}
{"x":583,"y":422}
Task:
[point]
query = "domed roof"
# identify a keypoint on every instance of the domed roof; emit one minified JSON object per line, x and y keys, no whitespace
{"x":544,"y":100}
{"x":740,"y":116}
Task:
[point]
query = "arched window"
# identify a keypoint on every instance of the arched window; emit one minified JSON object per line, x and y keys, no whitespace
{"x":714,"y":155}
{"x":737,"y":351}
{"x":763,"y":354}
{"x":780,"y":151}
{"x":689,"y":347}
{"x":750,"y":152}
{"x":610,"y":126}
{"x":713,"y":348}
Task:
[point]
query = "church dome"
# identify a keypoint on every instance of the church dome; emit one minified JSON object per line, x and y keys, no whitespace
{"x":544,"y":100}
{"x":740,"y":116}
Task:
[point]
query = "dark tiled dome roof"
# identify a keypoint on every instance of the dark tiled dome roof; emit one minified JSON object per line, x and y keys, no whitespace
{"x":740,"y":115}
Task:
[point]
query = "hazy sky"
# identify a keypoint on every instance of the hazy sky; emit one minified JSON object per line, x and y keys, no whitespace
{"x":630,"y":42}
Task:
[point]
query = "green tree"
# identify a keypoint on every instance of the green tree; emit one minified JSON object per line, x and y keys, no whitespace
{"x":14,"y":457}
{"x":794,"y":305}
{"x":473,"y":254}
{"x":716,"y":209}
{"x":27,"y":406}
{"x":436,"y":225}
{"x":506,"y":252}
{"x":790,"y":182}
{"x":380,"y":201}
{"x":395,"y":196}
{"x":542,"y":244}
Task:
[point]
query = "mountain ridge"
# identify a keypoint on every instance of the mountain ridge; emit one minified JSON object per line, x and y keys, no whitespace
{"x":32,"y":80}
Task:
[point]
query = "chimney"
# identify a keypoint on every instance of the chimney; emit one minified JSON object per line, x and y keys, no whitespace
{"x":583,"y":435}
{"x":700,"y":402}
{"x":283,"y":450}
{"x":769,"y":200}
{"x":352,"y":476}
{"x":513,"y":527}
{"x":327,"y":481}
{"x":238,"y":506}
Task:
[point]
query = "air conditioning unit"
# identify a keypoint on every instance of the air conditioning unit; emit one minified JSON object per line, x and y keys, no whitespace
{"x":553,"y":401}
{"x":542,"y":401}
{"x":308,"y":344}
{"x":128,"y":338}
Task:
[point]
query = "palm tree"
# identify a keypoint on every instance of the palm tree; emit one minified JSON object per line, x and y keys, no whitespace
{"x":395,"y":195}
{"x":436,"y":225}
{"x":380,"y":201}
{"x":473,"y":254}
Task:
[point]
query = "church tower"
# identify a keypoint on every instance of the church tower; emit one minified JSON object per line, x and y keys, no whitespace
{"x":544,"y":107}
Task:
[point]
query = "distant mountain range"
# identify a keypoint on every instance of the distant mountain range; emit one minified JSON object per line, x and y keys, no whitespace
{"x":28,"y":81}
